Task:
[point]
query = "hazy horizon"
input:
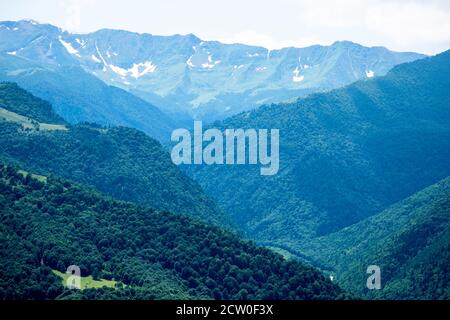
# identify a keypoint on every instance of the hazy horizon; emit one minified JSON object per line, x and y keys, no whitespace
{"x":410,"y":25}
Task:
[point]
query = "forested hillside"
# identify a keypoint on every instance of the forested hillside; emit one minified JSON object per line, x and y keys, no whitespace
{"x":48,"y":224}
{"x":344,"y":155}
{"x":121,"y":162}
{"x":15,"y":99}
{"x":409,"y":241}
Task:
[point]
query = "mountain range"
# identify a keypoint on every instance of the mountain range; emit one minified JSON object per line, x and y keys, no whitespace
{"x":86,"y":177}
{"x":182,"y":75}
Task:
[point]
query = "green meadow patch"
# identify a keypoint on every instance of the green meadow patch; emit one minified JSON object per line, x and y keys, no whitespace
{"x":34,"y":176}
{"x":87,"y":282}
{"x":28,"y":123}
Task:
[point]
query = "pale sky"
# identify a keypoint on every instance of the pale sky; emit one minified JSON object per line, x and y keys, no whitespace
{"x":401,"y":25}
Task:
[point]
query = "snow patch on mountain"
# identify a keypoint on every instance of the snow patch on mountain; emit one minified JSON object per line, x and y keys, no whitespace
{"x":120,"y":71}
{"x":101,"y":57}
{"x":210,"y":63}
{"x":93,"y":57}
{"x":136,"y":71}
{"x":68,"y":47}
{"x":31,"y":21}
{"x":189,"y":62}
{"x":207,"y":65}
{"x":370,"y":74}
{"x":82,"y":43}
{"x":141,"y":69}
{"x":297,"y":77}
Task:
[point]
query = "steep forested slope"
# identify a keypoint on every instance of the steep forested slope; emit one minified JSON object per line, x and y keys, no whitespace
{"x":122,"y":162}
{"x":15,"y":99}
{"x":409,"y":241}
{"x":344,"y":155}
{"x":51,"y":223}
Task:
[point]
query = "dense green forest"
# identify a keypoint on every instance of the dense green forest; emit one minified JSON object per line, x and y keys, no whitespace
{"x":344,"y":155}
{"x":15,"y":99}
{"x":121,"y":162}
{"x":50,"y":223}
{"x":409,"y":241}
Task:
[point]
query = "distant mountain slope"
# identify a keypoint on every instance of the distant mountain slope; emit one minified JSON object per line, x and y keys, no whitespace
{"x":344,"y":155}
{"x":187,"y":76}
{"x":78,"y":96}
{"x":53,"y":224}
{"x":118,"y":161}
{"x":409,"y":241}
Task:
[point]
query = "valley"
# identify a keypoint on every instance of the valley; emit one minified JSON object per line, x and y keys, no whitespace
{"x":345,"y":155}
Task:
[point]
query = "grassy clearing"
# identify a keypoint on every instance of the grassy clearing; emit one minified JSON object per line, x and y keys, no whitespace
{"x":34,"y":176}
{"x":286,"y":254}
{"x":28,"y":123}
{"x":87,"y":282}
